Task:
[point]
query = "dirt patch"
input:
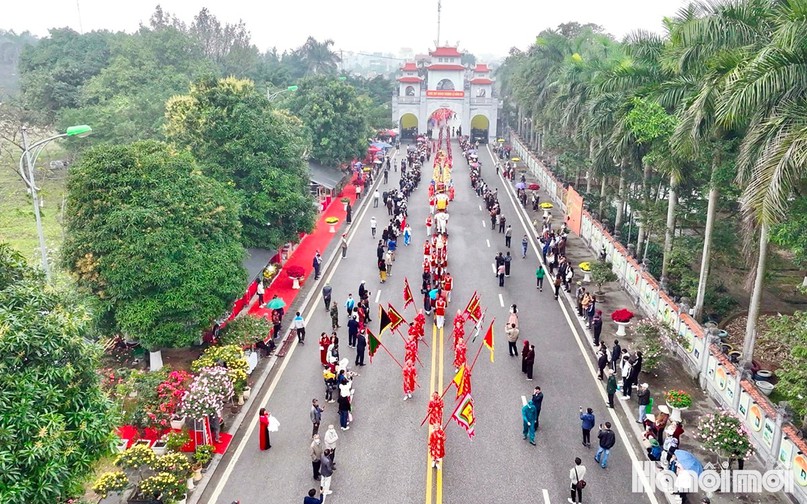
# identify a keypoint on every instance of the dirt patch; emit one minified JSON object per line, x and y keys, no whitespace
{"x":768,"y":350}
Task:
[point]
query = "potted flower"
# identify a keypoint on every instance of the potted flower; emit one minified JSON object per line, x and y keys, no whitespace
{"x":159,"y":447}
{"x":725,"y":435}
{"x":546,"y":206}
{"x":176,"y":464}
{"x":622,"y":317}
{"x":112,"y":481}
{"x":164,"y":486}
{"x":296,"y":273}
{"x":345,"y":202}
{"x":332,"y":222}
{"x":136,"y":458}
{"x":679,"y":401}
{"x":208,"y":393}
{"x":174,"y":441}
{"x":202,"y":457}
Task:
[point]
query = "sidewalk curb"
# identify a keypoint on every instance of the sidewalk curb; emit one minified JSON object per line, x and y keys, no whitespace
{"x":313,"y":291}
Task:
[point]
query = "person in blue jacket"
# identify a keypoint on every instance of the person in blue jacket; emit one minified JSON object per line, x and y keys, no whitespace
{"x":587,"y":420}
{"x":311,"y":498}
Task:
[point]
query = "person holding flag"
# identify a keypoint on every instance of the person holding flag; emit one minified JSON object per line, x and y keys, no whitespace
{"x":440,"y":311}
{"x":410,"y":373}
{"x":459,"y":354}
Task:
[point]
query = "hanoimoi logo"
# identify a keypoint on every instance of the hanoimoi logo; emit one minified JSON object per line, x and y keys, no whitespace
{"x":647,"y":475}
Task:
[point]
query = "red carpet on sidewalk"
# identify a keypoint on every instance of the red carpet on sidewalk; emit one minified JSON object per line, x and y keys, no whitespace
{"x":303,"y":255}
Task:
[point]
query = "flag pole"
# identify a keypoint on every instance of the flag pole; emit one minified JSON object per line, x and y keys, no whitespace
{"x":481,"y":344}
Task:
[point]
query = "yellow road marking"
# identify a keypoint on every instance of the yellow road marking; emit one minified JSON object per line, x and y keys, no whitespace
{"x":439,"y":497}
{"x":432,"y":369}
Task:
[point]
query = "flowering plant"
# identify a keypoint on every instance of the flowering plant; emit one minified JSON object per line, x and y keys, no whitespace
{"x":678,"y":399}
{"x":724,"y":434}
{"x":166,"y":485}
{"x":174,"y":463}
{"x":113,"y":481}
{"x":295,"y":271}
{"x":271,"y":271}
{"x":137,"y":457}
{"x":331,"y":220}
{"x":208,"y":393}
{"x":622,"y":315}
{"x":233,"y":358}
{"x":169,"y":396}
{"x":204,"y":454}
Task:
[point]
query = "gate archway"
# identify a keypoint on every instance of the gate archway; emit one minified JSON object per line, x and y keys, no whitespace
{"x":408,"y":126}
{"x":480,"y":125}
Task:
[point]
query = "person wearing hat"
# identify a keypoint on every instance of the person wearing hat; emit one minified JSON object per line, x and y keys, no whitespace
{"x":654,"y":450}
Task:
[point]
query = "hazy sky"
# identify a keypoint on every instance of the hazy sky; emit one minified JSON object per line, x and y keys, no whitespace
{"x":358,"y":25}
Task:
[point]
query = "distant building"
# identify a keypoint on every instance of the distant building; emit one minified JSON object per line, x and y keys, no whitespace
{"x":448,"y":94}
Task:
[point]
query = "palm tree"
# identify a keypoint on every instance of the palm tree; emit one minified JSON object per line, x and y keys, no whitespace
{"x":709,"y":41}
{"x":769,"y":94}
{"x":317,"y":57}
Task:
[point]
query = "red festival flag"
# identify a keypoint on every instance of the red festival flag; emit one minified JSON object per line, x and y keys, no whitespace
{"x":488,"y":341}
{"x":384,"y":321}
{"x":396,"y":318}
{"x":464,"y":414}
{"x":473,"y":309}
{"x":407,"y":294}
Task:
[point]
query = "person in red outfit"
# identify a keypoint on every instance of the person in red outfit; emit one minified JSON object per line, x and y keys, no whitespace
{"x":409,"y":379}
{"x":440,"y":311}
{"x":263,"y":432}
{"x":324,"y":343}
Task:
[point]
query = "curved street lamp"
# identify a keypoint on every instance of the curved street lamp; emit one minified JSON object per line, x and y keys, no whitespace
{"x":274,"y":95}
{"x":28,"y":161}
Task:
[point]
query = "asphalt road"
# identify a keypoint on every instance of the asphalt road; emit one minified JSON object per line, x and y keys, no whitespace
{"x":384,"y":455}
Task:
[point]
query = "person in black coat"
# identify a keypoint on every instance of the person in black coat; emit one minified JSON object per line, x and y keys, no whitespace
{"x":361,"y":345}
{"x":352,"y":331}
{"x":602,"y":360}
{"x":616,"y":357}
{"x":529,"y":361}
{"x":537,"y":400}
{"x":596,"y":327}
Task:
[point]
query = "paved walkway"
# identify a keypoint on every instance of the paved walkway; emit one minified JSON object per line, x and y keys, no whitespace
{"x":671,"y":374}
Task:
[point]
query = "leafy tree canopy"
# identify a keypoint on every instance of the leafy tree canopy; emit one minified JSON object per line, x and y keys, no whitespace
{"x":336,"y":117}
{"x":53,"y":71}
{"x":55,"y":422}
{"x":154,"y":240}
{"x":258,"y":151}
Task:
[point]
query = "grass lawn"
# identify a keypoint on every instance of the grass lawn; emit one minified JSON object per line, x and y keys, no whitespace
{"x":17,"y":221}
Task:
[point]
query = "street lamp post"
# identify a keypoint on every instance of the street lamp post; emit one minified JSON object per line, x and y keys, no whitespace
{"x":27,"y":173}
{"x":274,"y":95}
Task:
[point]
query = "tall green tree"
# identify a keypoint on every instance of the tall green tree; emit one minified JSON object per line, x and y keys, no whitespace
{"x":317,"y":57}
{"x":55,"y":421}
{"x":256,"y":150}
{"x":125,"y":101}
{"x":335,"y":116}
{"x":53,"y":71}
{"x":156,"y":242}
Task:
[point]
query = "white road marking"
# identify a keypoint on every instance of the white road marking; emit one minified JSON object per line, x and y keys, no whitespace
{"x":585,"y":350}
{"x":352,"y":231}
{"x":377,"y":295}
{"x":484,"y":224}
{"x":493,"y":267}
{"x":488,"y":242}
{"x":480,"y":208}
{"x":501,"y":300}
{"x":523,"y":400}
{"x":546,"y":496}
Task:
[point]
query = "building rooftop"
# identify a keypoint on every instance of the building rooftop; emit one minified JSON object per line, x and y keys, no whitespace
{"x":410,"y":66}
{"x":410,"y":80}
{"x":481,"y":80}
{"x":444,"y":66}
{"x":481,"y":68}
{"x":446,"y":51}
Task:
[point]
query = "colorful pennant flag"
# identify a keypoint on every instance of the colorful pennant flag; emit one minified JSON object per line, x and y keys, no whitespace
{"x":407,"y":294}
{"x":463,"y":381}
{"x":384,"y":321}
{"x":396,"y":318}
{"x":488,"y":341}
{"x":464,"y":414}
{"x":372,"y":343}
{"x":473,"y":309}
